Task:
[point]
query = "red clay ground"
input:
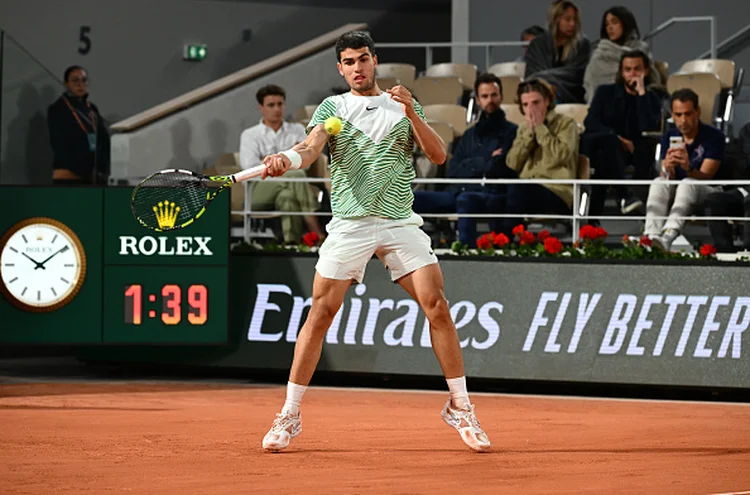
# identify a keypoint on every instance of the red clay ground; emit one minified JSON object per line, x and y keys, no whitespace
{"x":195,"y":438}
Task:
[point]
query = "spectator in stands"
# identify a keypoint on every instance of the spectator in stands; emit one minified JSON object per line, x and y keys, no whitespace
{"x":560,"y":55}
{"x":79,"y":137}
{"x":480,"y":153}
{"x":619,"y":34}
{"x":270,"y":136}
{"x":546,"y":147}
{"x":696,"y":157}
{"x":617,"y":117}
{"x":732,"y":201}
{"x":528,"y":35}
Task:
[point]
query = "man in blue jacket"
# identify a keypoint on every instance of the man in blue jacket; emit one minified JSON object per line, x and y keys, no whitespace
{"x":479,"y":154}
{"x":617,"y":117}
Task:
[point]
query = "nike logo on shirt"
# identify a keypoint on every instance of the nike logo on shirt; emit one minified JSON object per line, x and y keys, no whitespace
{"x":369,"y":109}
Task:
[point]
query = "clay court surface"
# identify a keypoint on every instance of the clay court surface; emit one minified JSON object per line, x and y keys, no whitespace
{"x":195,"y":438}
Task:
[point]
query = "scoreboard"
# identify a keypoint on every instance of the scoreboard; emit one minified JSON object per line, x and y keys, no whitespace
{"x":77,"y":268}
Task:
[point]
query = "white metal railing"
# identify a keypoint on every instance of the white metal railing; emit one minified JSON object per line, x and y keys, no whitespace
{"x":577,"y":214}
{"x":429,"y":47}
{"x":700,"y":18}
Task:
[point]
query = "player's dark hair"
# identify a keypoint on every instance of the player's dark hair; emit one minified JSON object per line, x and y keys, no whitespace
{"x":684,"y":95}
{"x":269,"y":90}
{"x":354,"y":39}
{"x":488,"y":78}
{"x":70,"y":70}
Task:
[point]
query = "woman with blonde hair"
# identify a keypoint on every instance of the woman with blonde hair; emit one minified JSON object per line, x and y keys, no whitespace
{"x":619,"y":34}
{"x":561,"y":55}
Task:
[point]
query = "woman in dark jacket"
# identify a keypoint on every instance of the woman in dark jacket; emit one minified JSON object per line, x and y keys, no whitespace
{"x":79,"y":138}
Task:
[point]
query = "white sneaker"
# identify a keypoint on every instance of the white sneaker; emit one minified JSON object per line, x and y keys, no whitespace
{"x":664,"y":241}
{"x":467,"y":424}
{"x":284,"y":428}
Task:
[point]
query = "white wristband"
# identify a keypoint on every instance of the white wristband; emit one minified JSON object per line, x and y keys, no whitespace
{"x":294,"y":157}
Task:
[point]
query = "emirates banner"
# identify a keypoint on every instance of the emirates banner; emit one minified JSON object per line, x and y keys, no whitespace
{"x":639,"y":324}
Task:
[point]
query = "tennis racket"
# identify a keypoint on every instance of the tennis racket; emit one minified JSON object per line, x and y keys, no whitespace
{"x":173,"y":199}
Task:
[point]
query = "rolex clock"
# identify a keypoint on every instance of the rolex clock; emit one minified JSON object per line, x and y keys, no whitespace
{"x":42,"y":265}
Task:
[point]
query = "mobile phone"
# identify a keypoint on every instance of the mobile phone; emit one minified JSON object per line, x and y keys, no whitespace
{"x":675,"y":142}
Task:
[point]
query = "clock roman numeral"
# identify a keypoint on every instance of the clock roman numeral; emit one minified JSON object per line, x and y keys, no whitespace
{"x":63,"y":279}
{"x":54,"y":239}
{"x":53,"y":291}
{"x":24,"y":239}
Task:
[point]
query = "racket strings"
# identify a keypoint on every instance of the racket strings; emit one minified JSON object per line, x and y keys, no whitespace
{"x":169,"y":200}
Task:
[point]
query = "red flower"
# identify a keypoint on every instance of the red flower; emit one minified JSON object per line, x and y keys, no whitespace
{"x":708,"y":250}
{"x":518,"y":230}
{"x":311,"y":239}
{"x":526,"y":238}
{"x":544,"y":234}
{"x":592,"y":233}
{"x":484,"y":242}
{"x":500,"y":240}
{"x":644,"y":241}
{"x":552,"y":245}
{"x":626,"y":239}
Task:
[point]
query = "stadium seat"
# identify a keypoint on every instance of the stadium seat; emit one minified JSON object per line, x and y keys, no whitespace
{"x":387,"y":82}
{"x":455,"y":115}
{"x":436,"y":90}
{"x":466,"y":73}
{"x":663,"y":69}
{"x":513,"y":113}
{"x":724,"y":69}
{"x":304,"y":114}
{"x":444,"y":130}
{"x":511,"y":75}
{"x":705,"y":84}
{"x":403,"y":73}
{"x":576,"y":111}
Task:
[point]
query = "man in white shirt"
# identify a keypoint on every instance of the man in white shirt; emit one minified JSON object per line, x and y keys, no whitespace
{"x":269,"y":137}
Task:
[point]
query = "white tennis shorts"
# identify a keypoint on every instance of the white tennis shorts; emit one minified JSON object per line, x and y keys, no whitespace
{"x":400,"y":244}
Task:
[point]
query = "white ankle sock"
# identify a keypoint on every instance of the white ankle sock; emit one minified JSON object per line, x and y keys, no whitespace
{"x":294,"y":395}
{"x":459,"y":395}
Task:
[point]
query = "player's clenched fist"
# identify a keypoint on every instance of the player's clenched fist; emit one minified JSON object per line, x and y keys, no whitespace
{"x":276,"y":165}
{"x":402,"y":95}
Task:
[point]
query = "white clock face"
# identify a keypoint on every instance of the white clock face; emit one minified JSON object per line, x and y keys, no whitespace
{"x":41,"y":265}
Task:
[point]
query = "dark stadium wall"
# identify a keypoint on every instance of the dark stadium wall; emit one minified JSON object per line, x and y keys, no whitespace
{"x":135,"y":58}
{"x":135,"y":54}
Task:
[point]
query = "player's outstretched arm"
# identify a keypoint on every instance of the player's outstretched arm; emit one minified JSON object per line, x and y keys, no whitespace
{"x":427,"y":139}
{"x":306,"y":153}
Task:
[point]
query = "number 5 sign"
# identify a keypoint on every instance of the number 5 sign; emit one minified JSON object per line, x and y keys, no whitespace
{"x":85,"y":41}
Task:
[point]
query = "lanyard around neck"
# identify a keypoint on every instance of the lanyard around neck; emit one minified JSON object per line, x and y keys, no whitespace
{"x":78,"y":119}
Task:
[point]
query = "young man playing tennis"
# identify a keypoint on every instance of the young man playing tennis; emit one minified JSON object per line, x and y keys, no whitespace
{"x":371,"y":199}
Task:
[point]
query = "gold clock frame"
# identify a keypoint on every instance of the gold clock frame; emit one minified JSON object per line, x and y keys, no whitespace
{"x":82,"y":261}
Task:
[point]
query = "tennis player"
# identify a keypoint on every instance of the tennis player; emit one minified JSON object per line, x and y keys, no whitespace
{"x":371,"y":199}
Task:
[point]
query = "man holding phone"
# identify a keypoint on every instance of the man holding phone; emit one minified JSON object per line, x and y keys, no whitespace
{"x":690,"y":153}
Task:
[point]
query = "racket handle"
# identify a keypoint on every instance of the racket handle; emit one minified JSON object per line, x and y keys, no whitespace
{"x":248,"y":173}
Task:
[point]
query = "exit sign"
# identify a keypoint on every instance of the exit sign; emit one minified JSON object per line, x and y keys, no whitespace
{"x":194,"y":52}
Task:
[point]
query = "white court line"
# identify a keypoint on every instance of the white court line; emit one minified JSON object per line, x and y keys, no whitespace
{"x":732,"y":493}
{"x":537,"y":396}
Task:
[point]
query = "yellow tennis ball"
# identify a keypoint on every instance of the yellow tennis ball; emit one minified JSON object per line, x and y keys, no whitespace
{"x":333,"y":125}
